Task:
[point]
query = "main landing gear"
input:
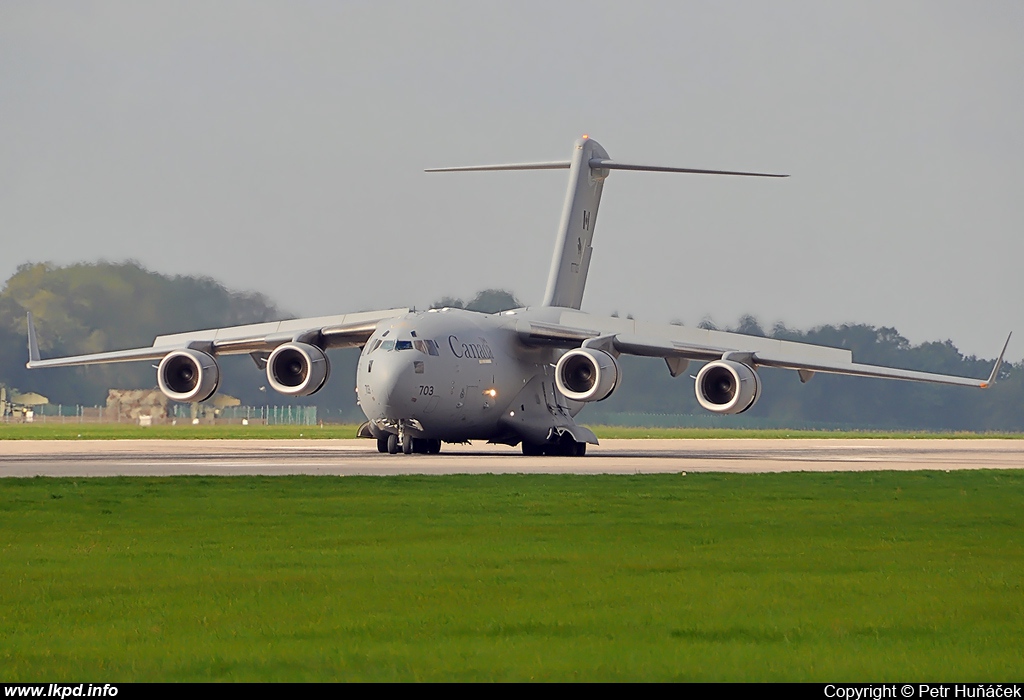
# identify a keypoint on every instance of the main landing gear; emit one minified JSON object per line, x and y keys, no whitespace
{"x":410,"y":445}
{"x":564,"y":447}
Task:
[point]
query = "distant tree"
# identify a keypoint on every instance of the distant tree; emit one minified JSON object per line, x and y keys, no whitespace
{"x":447,"y":302}
{"x":707,"y":324}
{"x":93,"y":307}
{"x":488,"y":301}
{"x":748,"y":325}
{"x":491,"y":301}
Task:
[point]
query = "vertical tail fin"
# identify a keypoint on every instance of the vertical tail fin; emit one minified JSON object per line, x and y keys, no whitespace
{"x":589,"y":168}
{"x":571,"y":260}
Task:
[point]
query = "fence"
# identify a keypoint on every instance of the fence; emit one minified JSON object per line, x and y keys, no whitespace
{"x":177,"y":414}
{"x":267,"y":415}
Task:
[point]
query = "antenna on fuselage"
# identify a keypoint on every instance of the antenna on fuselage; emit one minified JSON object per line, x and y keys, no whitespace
{"x":588,"y":168}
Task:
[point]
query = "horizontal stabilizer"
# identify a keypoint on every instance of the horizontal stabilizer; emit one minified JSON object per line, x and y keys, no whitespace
{"x":588,"y":168}
{"x":605,"y":164}
{"x":548,"y":165}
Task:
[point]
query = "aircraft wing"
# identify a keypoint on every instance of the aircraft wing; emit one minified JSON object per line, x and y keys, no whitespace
{"x":341,"y":331}
{"x":680,"y":344}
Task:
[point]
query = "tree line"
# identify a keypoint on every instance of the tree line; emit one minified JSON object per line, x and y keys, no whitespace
{"x":92,"y":307}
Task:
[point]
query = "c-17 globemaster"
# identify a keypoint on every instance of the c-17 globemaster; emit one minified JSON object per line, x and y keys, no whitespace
{"x":516,"y":377}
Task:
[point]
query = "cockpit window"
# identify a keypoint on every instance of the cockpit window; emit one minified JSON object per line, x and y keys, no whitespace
{"x":427,"y":347}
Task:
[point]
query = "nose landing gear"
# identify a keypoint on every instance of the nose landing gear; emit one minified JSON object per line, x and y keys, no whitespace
{"x":393,"y":445}
{"x":407,"y":444}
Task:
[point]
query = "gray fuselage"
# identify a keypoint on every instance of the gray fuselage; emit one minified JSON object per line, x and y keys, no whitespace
{"x":457,"y":375}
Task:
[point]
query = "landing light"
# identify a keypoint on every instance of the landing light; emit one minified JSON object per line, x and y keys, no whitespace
{"x":491,"y":392}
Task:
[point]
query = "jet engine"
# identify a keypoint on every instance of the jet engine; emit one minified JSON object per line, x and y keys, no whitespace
{"x":297,"y":369}
{"x":586,"y":374}
{"x":188,"y":375}
{"x":727,"y":386}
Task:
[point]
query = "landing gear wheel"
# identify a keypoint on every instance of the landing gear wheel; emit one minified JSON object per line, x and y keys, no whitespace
{"x":392,"y":444}
{"x":532,"y":449}
{"x":382,"y":444}
{"x":427,"y":446}
{"x":407,"y":444}
{"x":566,"y":447}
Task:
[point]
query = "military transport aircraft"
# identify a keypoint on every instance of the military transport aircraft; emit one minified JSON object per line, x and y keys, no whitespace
{"x":520,"y":376}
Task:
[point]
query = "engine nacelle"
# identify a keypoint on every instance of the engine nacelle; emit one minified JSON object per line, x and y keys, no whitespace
{"x":586,"y":374}
{"x":297,"y":369}
{"x":727,"y":386}
{"x":188,"y":375}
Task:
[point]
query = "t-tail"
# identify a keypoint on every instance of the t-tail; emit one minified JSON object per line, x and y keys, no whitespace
{"x":588,"y":168}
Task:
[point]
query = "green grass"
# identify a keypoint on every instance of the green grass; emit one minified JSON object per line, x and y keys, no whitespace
{"x":122,"y":431}
{"x":825,"y":577}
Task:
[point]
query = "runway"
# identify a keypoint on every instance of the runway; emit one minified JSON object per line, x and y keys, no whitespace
{"x":27,"y":458}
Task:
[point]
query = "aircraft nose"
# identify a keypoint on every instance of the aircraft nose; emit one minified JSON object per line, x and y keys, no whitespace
{"x":392,"y":379}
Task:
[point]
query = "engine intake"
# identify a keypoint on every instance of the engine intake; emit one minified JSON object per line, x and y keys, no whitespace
{"x":297,"y":369}
{"x":727,"y":386}
{"x":586,"y":374}
{"x":188,"y":375}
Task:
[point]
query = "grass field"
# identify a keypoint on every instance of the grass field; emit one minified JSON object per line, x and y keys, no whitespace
{"x":120,"y":431}
{"x":827,"y":577}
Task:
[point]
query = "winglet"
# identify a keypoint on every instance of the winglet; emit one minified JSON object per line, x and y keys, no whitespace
{"x":33,"y":346}
{"x":999,"y":362}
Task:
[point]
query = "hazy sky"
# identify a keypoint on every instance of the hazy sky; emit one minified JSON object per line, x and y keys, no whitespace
{"x":279,"y":147}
